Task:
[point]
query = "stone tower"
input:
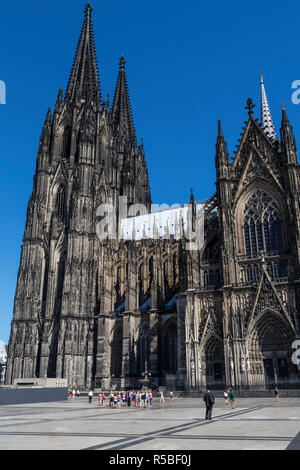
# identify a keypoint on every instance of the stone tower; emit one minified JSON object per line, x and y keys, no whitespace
{"x":87,"y":156}
{"x":107,"y":311}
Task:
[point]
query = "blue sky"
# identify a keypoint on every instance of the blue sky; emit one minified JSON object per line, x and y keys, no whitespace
{"x":189,"y":63}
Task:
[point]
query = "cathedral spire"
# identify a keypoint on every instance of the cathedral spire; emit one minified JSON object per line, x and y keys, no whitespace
{"x":222,"y":156}
{"x":121,"y":110}
{"x":266,"y":118}
{"x":84,"y":80}
{"x":287,"y":138}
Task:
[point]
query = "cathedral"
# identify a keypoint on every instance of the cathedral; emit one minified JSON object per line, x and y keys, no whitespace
{"x":106,"y":312}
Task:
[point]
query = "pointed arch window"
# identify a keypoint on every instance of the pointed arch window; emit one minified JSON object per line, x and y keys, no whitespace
{"x":150,"y":271}
{"x":169,"y":340}
{"x":141,"y":283}
{"x":60,"y":204}
{"x":116,"y":351}
{"x":262,"y":224}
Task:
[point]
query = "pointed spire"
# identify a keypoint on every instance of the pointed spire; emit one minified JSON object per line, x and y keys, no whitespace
{"x":266,"y":118}
{"x":287,"y":138}
{"x":84,"y":80}
{"x":192,"y":198}
{"x":121,"y":110}
{"x":107,"y":105}
{"x":45,"y":135}
{"x":222,"y":156}
{"x":48,"y":118}
{"x":59,"y":100}
{"x":219,"y":129}
{"x":284,"y":115}
{"x":250,"y":107}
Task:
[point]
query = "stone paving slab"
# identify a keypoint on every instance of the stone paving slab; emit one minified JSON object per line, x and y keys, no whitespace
{"x":256,"y":424}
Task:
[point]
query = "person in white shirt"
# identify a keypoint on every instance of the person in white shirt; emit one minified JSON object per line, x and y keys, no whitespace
{"x":90,"y":396}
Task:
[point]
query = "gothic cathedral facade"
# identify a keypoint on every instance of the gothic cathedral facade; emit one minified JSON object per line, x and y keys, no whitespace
{"x":102,"y":313}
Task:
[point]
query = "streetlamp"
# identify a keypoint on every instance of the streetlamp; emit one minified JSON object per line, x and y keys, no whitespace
{"x":110,"y":377}
{"x":146,"y":376}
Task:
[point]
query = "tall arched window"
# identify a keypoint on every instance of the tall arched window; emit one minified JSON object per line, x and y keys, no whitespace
{"x":60,"y":203}
{"x":261,"y":223}
{"x":141,"y":283}
{"x":116,"y":351}
{"x":118,"y":294}
{"x":150,"y":271}
{"x":169,"y":352}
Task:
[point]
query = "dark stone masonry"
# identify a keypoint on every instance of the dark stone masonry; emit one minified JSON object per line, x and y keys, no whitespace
{"x":101,"y":312}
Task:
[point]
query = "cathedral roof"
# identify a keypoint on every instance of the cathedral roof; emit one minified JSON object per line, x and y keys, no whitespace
{"x":171,"y":305}
{"x":3,"y":352}
{"x":146,"y":305}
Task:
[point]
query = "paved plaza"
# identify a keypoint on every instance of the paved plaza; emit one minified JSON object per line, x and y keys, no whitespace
{"x":258,"y":423}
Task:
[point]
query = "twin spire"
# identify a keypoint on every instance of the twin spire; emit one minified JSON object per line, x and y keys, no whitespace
{"x":84,"y":83}
{"x":121,"y":110}
{"x":84,"y":79}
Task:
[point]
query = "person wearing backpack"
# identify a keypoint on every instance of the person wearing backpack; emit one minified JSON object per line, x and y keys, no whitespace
{"x":209,"y":401}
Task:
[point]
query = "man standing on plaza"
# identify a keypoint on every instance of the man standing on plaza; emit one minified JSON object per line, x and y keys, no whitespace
{"x":209,"y":401}
{"x":90,"y":395}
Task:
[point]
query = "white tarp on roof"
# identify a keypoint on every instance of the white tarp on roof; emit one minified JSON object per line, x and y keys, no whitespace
{"x":160,"y":224}
{"x":3,"y":355}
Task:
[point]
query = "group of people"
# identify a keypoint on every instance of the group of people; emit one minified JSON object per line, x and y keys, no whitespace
{"x":143,"y":398}
{"x":74,"y":393}
{"x":229,"y":395}
{"x":139,"y":398}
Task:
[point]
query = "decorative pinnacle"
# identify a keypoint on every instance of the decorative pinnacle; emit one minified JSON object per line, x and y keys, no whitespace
{"x":48,"y":116}
{"x":88,"y":8}
{"x":284,"y":115}
{"x":250,"y":106}
{"x":122,"y":62}
{"x":261,"y":77}
{"x":192,"y":199}
{"x":219,"y":129}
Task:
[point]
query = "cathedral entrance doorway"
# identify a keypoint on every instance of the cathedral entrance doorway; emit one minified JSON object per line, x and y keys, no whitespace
{"x":270,"y":344}
{"x":214,"y":365}
{"x":169,"y":353}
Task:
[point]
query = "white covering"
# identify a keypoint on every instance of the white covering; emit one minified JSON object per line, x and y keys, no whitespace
{"x":3,"y":355}
{"x":165,"y":223}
